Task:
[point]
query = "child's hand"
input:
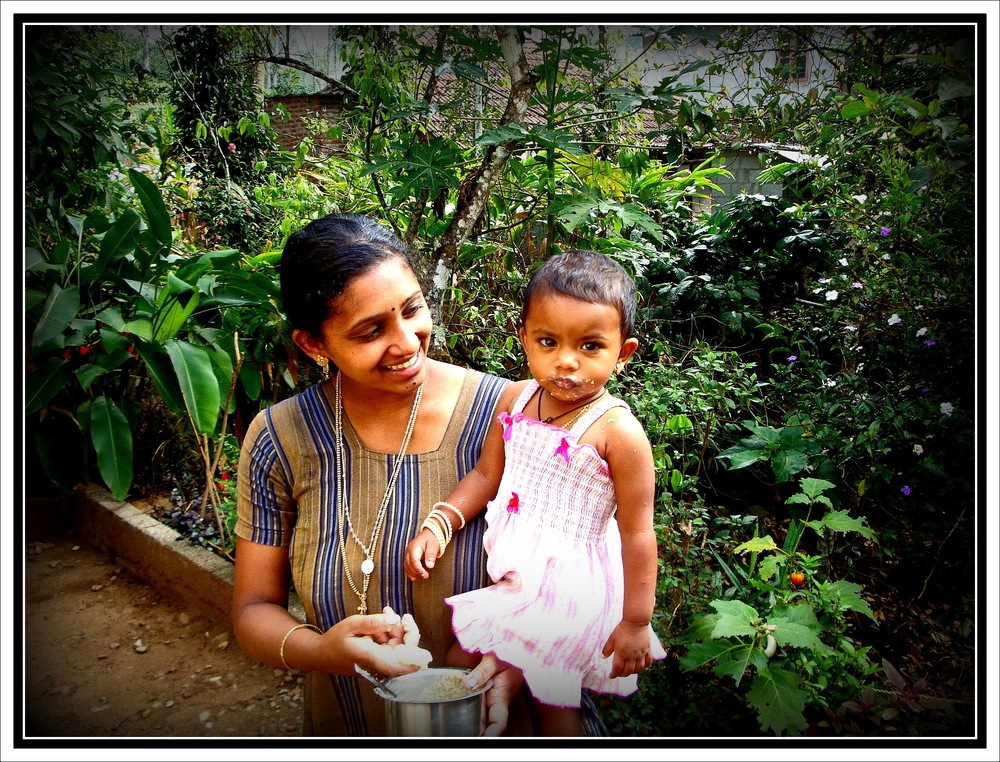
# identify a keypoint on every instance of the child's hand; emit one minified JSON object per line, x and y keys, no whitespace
{"x":630,"y":644}
{"x":422,"y":551}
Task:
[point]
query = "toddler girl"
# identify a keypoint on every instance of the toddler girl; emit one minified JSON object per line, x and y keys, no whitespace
{"x":573,"y":589}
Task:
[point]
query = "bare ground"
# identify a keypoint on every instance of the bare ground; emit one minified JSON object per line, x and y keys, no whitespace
{"x":107,"y":656}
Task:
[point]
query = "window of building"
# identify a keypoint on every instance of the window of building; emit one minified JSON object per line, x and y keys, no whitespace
{"x":793,"y":62}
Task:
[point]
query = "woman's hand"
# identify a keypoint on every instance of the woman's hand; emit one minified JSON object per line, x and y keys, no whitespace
{"x":423,"y":551}
{"x":384,"y":644}
{"x":630,"y":644}
{"x":507,"y":681}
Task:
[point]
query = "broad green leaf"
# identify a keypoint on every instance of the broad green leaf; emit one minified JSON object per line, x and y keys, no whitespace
{"x":778,"y":700}
{"x":735,"y":661}
{"x":756,"y":545}
{"x":765,"y":434}
{"x":849,"y":594}
{"x":113,"y":317}
{"x":854,"y":109}
{"x":59,"y":310}
{"x":735,"y":618}
{"x":740,"y":458}
{"x":46,"y":381}
{"x":172,"y":314}
{"x":62,"y":450}
{"x":678,"y":423}
{"x":119,"y":240}
{"x":198,"y":384}
{"x":813,"y":487}
{"x":786,"y":463}
{"x":160,"y":370}
{"x":867,"y":93}
{"x":251,"y":380}
{"x":919,"y":176}
{"x":701,"y":628}
{"x":141,"y":327}
{"x":840,"y":521}
{"x":112,"y":438}
{"x":88,"y":373}
{"x":700,"y":654}
{"x":952,"y":87}
{"x":157,"y":217}
{"x":796,"y":634}
{"x":769,"y":566}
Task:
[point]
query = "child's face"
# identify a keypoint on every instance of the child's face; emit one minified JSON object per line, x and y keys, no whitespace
{"x":573,"y":346}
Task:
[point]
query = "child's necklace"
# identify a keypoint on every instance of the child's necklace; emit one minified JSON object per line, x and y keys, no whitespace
{"x":552,"y":418}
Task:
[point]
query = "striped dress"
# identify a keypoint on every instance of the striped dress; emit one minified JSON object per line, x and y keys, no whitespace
{"x":555,"y":560}
{"x":287,"y":497}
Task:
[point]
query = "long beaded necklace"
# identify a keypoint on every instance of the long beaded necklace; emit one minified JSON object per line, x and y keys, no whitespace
{"x":582,"y":408}
{"x":343,"y":511}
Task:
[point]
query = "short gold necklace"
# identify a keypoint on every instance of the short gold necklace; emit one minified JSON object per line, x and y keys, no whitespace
{"x":582,"y":408}
{"x":343,"y":511}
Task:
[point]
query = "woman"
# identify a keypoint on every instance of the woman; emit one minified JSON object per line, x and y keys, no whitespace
{"x":335,"y":481}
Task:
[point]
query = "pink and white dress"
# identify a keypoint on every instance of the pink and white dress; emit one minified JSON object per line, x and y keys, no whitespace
{"x":554,"y":554}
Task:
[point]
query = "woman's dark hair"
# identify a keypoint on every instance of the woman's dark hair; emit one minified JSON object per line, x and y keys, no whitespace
{"x":321,"y":259}
{"x":588,"y":276}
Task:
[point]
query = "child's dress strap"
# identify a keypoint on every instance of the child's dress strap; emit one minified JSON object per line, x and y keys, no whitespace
{"x":588,"y":418}
{"x":524,"y":397}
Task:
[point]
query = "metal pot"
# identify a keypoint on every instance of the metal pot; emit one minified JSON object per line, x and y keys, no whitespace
{"x":426,"y":704}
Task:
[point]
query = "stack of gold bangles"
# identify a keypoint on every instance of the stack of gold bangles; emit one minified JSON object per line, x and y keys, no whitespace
{"x":440,"y":526}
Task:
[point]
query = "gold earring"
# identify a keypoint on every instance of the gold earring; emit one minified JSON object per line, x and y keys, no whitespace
{"x":324,"y":369}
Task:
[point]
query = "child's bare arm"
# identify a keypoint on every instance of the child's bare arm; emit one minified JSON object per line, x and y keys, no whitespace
{"x":469,"y":496}
{"x":628,"y":452}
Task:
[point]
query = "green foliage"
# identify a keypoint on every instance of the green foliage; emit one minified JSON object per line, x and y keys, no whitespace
{"x":808,"y":625}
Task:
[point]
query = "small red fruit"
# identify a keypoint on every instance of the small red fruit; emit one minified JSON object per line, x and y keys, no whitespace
{"x":797,"y":578}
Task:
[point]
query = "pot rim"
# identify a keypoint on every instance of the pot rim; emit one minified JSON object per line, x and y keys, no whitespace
{"x":437,"y":670}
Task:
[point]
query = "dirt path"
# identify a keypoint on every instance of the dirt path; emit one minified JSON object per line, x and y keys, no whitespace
{"x":107,"y":656}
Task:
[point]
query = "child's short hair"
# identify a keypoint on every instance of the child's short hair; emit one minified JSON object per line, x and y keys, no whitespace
{"x":588,"y":276}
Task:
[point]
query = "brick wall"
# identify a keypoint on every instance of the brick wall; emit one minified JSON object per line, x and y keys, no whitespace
{"x":293,"y":129}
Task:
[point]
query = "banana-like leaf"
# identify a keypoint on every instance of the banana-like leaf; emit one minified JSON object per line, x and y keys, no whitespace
{"x":160,"y":370}
{"x":112,"y":438}
{"x":44,"y":383}
{"x":118,"y":241}
{"x":199,"y":386}
{"x":157,"y":216}
{"x":59,"y":310}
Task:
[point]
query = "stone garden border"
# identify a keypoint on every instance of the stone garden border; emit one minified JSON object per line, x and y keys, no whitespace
{"x":158,"y":555}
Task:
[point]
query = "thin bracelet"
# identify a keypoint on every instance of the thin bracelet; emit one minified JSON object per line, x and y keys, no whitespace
{"x":442,"y":516}
{"x":281,"y":650}
{"x":444,"y":522}
{"x":436,"y":530}
{"x":461,"y":516}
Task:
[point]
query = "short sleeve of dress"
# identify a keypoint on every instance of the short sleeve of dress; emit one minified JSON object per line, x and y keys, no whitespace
{"x":265,"y":508}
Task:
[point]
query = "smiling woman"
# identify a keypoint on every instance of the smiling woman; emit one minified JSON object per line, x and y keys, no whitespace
{"x":334,"y":481}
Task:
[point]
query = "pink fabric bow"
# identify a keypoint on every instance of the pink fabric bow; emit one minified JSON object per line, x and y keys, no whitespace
{"x":563,"y":449}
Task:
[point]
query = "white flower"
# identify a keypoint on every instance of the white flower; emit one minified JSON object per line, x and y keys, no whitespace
{"x":947,"y":408}
{"x":842,"y":261}
{"x":895,"y":319}
{"x":850,"y":328}
{"x":831,"y":295}
{"x":886,"y":257}
{"x":921,"y":332}
{"x":918,"y":449}
{"x":830,"y":382}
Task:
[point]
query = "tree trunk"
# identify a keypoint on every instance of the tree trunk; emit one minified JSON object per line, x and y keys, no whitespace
{"x":478,"y":184}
